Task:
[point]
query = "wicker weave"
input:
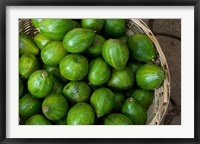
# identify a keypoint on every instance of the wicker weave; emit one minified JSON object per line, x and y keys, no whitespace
{"x":162,"y":94}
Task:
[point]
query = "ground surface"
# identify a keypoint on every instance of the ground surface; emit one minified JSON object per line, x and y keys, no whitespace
{"x":168,"y":33}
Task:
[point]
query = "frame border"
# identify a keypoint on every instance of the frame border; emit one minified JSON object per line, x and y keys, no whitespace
{"x":3,"y":73}
{"x":4,"y":3}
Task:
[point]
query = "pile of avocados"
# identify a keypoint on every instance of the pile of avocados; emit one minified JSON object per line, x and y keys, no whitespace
{"x":86,"y":72}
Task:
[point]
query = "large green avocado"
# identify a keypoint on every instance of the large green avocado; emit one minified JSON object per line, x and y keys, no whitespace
{"x":134,"y":111}
{"x":55,"y":107}
{"x":99,"y":72}
{"x":141,"y":48}
{"x":28,"y":63}
{"x":52,"y":53}
{"x":40,"y":83}
{"x":27,"y":45}
{"x":115,"y":53}
{"x":74,"y":67}
{"x":78,"y":91}
{"x":117,"y":119}
{"x":102,"y":100}
{"x":55,"y":29}
{"x":121,"y":80}
{"x":149,"y":76}
{"x":81,"y":114}
{"x":78,"y":40}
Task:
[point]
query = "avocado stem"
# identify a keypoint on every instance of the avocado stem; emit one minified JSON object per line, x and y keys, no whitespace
{"x":45,"y":109}
{"x":131,"y":99}
{"x":98,"y":116}
{"x":160,"y":73}
{"x":44,"y":74}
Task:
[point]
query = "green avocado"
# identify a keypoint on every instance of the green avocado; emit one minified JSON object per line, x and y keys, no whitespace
{"x":36,"y":22}
{"x":81,"y":114}
{"x":141,"y":48}
{"x":134,"y":111}
{"x":74,"y":67}
{"x":94,"y":24}
{"x":149,"y":76}
{"x":121,"y":80}
{"x":28,"y":63}
{"x":144,"y":97}
{"x":115,"y":53}
{"x":78,"y":91}
{"x":102,"y":101}
{"x":55,"y":29}
{"x":99,"y":72}
{"x":29,"y":106}
{"x":27,"y":45}
{"x":114,"y":28}
{"x":40,"y":83}
{"x":55,"y":107}
{"x":37,"y":119}
{"x":41,"y":40}
{"x":52,"y":53}
{"x":78,"y":40}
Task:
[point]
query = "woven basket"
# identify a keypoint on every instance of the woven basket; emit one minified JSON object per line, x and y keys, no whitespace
{"x":160,"y":104}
